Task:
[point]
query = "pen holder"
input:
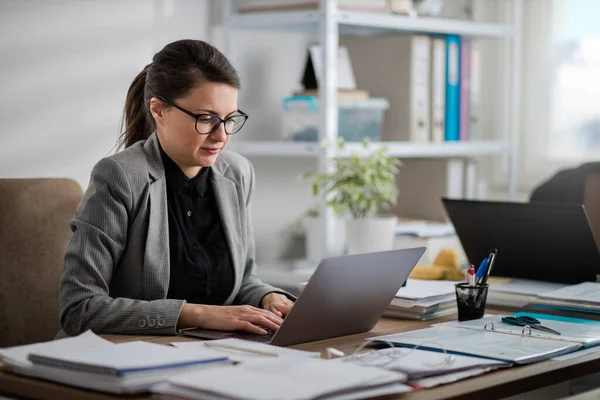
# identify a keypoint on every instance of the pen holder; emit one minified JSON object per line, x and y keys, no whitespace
{"x":470,"y":301}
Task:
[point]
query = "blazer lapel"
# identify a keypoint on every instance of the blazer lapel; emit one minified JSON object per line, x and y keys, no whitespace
{"x":227,"y":203}
{"x":156,"y":255}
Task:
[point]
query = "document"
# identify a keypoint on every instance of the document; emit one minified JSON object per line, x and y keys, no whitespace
{"x":516,"y":349}
{"x":417,"y":363}
{"x":91,"y":362}
{"x":586,"y":292}
{"x":585,"y":334}
{"x":238,"y":350}
{"x":282,"y":379}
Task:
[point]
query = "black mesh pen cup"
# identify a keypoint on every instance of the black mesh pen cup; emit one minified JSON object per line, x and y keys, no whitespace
{"x":470,"y":301}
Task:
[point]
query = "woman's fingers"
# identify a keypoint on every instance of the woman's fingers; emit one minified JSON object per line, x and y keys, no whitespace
{"x":248,"y":326}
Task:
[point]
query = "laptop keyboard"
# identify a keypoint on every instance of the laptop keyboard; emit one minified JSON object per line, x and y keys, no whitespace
{"x":254,"y":337}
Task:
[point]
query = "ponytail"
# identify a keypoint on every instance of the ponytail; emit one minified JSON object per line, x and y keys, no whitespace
{"x":137,"y":122}
{"x":175,"y":70}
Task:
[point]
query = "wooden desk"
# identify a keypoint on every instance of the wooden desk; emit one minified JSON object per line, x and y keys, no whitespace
{"x":494,"y":385}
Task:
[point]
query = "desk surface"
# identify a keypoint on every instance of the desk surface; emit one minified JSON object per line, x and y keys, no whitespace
{"x":493,"y":385}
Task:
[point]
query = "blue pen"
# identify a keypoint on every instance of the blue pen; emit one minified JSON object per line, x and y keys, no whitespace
{"x":481,"y":270}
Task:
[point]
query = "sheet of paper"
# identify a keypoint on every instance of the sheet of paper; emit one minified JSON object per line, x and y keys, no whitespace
{"x":417,"y":363}
{"x":526,"y":287}
{"x":511,"y":348}
{"x":428,"y":383}
{"x":238,"y":355}
{"x":19,"y":354}
{"x":586,"y":292}
{"x":124,"y":357}
{"x":588,"y":335}
{"x":282,"y":378}
{"x":417,"y":289}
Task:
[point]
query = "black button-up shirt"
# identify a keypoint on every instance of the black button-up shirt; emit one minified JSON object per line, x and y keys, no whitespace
{"x":201,"y":266}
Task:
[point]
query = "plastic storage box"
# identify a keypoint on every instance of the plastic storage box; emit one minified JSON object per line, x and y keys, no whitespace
{"x":357,"y":119}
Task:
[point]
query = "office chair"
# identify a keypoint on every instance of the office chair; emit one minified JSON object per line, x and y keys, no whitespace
{"x":34,"y":234}
{"x":580,"y":185}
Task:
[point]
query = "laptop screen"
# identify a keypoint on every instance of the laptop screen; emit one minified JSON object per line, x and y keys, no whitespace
{"x":539,"y":241}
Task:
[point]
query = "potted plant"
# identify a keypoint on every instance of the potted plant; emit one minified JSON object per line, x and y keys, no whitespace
{"x":357,"y":188}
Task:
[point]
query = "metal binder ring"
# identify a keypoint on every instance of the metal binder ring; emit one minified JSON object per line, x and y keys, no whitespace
{"x":524,"y":328}
{"x":485,"y":327}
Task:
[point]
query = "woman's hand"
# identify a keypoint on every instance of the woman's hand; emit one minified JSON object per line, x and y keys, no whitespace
{"x":277,"y":303}
{"x":228,"y":318}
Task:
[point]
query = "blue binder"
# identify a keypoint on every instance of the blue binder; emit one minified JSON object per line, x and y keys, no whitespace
{"x":452,"y":118}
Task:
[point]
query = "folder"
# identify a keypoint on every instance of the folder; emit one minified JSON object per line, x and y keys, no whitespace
{"x":586,"y":335}
{"x":452,"y":121}
{"x":486,"y":343}
{"x":438,"y":88}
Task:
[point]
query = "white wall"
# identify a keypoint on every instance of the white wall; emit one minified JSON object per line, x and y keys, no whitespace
{"x":64,"y":72}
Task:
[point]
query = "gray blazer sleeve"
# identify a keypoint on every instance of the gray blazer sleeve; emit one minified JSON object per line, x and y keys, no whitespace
{"x":100,"y":229}
{"x":253,"y":289}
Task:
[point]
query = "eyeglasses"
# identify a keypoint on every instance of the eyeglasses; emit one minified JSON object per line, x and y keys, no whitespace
{"x":208,"y":123}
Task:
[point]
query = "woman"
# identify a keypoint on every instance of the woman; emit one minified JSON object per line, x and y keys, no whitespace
{"x":162,"y":239}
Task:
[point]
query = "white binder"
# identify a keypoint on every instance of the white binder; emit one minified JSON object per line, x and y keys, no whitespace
{"x":487,"y":343}
{"x":438,"y":88}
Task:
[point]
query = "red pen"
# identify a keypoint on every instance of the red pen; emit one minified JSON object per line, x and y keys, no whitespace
{"x":471,"y":275}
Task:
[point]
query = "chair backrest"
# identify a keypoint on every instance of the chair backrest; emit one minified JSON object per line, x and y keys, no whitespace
{"x":34,"y":234}
{"x":580,"y":185}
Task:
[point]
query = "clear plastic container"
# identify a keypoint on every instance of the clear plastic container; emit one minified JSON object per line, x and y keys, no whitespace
{"x":357,"y":119}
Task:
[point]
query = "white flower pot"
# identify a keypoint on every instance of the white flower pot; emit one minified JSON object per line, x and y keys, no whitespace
{"x":315,"y":239}
{"x":368,"y":235}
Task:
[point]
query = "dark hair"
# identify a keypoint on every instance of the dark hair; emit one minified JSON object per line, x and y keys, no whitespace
{"x":174,"y":71}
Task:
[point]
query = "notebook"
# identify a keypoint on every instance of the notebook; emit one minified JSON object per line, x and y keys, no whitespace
{"x":91,"y":362}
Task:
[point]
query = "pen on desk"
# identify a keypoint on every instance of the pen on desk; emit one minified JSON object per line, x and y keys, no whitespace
{"x":480,"y":271}
{"x":230,"y":346}
{"x":492,"y":259}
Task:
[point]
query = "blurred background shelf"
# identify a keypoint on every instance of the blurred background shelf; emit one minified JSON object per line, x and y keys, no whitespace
{"x":397,"y":149}
{"x":369,"y":23}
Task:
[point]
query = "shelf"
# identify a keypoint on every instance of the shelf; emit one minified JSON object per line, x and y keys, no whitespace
{"x":365,"y":23}
{"x":397,"y":149}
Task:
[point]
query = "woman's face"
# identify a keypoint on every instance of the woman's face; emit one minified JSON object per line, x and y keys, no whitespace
{"x":177,"y":132}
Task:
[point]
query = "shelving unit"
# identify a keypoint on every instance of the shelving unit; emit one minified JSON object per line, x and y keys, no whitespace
{"x":396,"y":149}
{"x":330,"y":23}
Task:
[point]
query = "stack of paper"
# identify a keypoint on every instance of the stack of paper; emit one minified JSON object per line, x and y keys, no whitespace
{"x":516,"y":293}
{"x":91,"y":362}
{"x":421,"y":299}
{"x":286,"y":379}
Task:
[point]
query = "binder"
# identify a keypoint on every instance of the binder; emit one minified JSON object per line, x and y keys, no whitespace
{"x":452,"y":120}
{"x":438,"y":88}
{"x":572,"y":331}
{"x":465,"y":89}
{"x":481,"y":342}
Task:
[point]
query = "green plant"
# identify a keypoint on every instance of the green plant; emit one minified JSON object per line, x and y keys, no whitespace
{"x":360,"y":184}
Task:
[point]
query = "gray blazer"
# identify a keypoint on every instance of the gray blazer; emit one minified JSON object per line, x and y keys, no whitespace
{"x":116,"y":270}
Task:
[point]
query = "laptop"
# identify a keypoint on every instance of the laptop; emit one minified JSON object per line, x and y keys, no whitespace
{"x":345,"y":295}
{"x":538,"y":241}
